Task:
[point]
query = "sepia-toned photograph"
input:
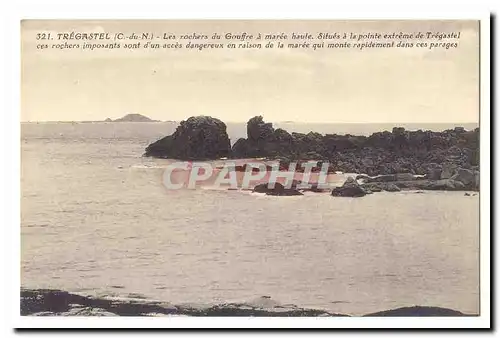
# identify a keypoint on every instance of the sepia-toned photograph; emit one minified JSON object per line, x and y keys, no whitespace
{"x":250,"y":168}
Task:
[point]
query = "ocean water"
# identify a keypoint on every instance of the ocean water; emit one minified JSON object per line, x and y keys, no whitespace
{"x":96,"y":219}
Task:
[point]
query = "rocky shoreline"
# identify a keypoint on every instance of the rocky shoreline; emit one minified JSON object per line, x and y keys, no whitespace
{"x":45,"y":302}
{"x":447,"y":160}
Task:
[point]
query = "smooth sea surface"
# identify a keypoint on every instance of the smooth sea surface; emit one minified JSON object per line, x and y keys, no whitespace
{"x":96,"y":219}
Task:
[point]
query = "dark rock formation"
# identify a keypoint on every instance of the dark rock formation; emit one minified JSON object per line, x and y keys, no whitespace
{"x":438,"y":155}
{"x":197,"y":138}
{"x":418,"y":311}
{"x":350,"y":188}
{"x":400,"y":151}
{"x":263,"y":141}
{"x":278,"y":190}
{"x":62,"y":303}
{"x":54,"y":302}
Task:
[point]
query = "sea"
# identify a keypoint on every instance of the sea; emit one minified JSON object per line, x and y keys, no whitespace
{"x":97,"y":220}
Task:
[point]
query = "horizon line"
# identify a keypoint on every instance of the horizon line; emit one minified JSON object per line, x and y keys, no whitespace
{"x":281,"y":121}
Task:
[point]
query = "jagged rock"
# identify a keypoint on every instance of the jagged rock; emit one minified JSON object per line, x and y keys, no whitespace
{"x":197,"y":138}
{"x":258,"y":130}
{"x":350,"y":188}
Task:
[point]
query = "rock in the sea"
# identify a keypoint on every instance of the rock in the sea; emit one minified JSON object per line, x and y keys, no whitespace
{"x":418,"y":311}
{"x":257,"y":129}
{"x":350,"y":188}
{"x":197,"y":138}
{"x":278,"y":190}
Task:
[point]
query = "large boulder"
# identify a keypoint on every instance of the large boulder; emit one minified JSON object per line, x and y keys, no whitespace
{"x":241,"y":148}
{"x":350,"y":188}
{"x":197,"y":138}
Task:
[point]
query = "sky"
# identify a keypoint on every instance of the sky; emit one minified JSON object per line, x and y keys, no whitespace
{"x":397,"y":85}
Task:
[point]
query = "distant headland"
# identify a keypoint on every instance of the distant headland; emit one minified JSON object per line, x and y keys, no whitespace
{"x":132,"y":118}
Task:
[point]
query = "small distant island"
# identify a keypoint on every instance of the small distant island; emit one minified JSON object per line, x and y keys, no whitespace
{"x":132,"y":118}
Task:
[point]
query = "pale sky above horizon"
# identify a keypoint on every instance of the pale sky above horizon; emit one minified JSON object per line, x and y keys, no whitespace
{"x":400,"y":85}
